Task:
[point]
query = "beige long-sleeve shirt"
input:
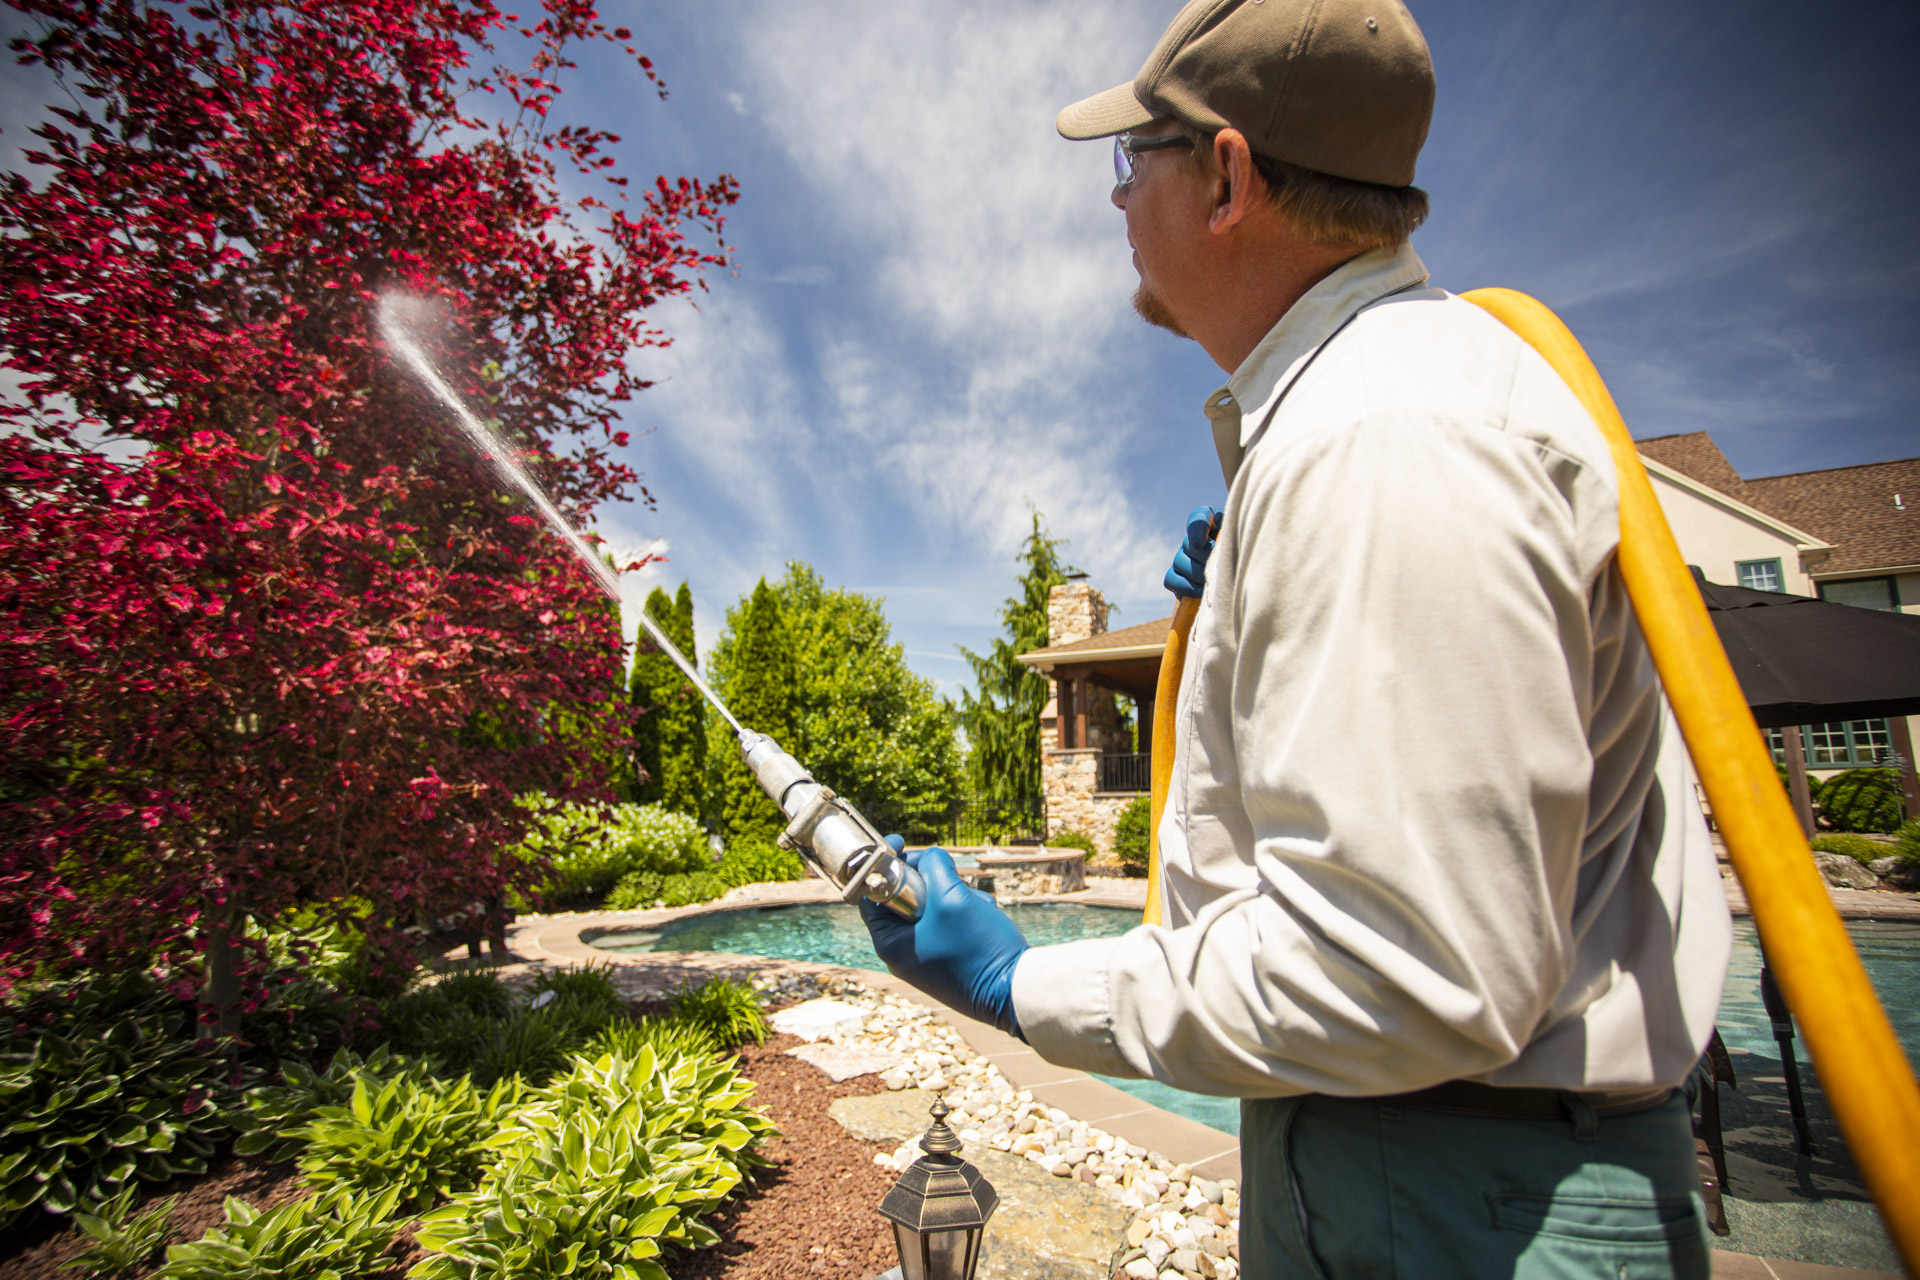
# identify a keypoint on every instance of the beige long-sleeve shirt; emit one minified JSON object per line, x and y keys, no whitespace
{"x":1431,"y":817}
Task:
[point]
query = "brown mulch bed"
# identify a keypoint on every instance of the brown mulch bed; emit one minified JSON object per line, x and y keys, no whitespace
{"x":37,"y":1252}
{"x":812,"y":1211}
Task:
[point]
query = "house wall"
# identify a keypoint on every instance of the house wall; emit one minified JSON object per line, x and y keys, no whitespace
{"x":1716,"y":537}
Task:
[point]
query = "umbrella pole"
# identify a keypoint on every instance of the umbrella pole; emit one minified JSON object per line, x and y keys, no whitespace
{"x":1797,"y":785}
{"x":1867,"y":1078}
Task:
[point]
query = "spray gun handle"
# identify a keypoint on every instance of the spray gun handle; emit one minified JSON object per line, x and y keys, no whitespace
{"x":832,"y":836}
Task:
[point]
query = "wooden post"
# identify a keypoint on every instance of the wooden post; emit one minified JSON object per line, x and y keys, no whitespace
{"x":1797,"y":778}
{"x":1063,"y":711}
{"x":1143,"y":728}
{"x":1903,"y":747}
{"x":1080,"y":712}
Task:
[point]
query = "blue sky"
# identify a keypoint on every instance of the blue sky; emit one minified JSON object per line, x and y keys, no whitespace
{"x":927,"y":327}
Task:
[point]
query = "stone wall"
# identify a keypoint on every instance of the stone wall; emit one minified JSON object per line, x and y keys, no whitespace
{"x":1069,"y":779}
{"x":1030,"y":875}
{"x":1077,"y":611}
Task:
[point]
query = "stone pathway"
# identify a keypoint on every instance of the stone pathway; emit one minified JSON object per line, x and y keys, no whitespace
{"x":1050,"y":1221}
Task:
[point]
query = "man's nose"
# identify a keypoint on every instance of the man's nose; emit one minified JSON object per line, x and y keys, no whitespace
{"x":1119,"y":195}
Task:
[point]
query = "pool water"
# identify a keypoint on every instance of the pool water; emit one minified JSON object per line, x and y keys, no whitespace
{"x":833,"y":934}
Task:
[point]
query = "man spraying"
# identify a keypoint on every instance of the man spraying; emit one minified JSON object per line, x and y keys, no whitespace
{"x":1440,"y":907}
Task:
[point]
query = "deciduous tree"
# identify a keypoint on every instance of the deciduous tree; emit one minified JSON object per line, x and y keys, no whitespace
{"x":300,"y":646}
{"x":824,"y":665}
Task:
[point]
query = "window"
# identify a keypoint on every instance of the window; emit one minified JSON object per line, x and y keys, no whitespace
{"x":1863,"y":593}
{"x":1836,"y":745}
{"x":1760,"y":575}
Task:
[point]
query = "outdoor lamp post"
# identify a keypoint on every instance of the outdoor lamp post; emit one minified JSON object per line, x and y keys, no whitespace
{"x":939,"y":1209}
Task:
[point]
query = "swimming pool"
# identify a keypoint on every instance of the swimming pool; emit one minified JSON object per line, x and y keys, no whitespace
{"x":832,"y":933}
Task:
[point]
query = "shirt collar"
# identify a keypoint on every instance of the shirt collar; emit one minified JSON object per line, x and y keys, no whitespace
{"x":1240,"y":408}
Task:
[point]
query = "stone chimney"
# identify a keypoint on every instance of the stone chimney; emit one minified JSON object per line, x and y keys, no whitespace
{"x":1075,"y":611}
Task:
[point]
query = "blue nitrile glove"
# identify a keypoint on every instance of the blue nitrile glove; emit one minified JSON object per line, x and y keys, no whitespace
{"x":962,"y":949}
{"x":1189,"y":573}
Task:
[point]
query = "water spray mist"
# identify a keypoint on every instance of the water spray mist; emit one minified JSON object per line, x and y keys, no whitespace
{"x":833,"y":837}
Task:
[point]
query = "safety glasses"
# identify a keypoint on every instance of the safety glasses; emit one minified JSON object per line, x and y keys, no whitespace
{"x":1126,"y":147}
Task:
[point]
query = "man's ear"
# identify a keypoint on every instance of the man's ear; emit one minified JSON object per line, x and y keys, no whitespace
{"x":1237,"y":183}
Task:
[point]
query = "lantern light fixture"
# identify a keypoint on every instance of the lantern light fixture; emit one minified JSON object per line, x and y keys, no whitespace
{"x":939,"y":1209}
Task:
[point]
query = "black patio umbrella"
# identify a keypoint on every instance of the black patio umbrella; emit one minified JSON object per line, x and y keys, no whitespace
{"x":1806,"y":661}
{"x":1801,"y":661}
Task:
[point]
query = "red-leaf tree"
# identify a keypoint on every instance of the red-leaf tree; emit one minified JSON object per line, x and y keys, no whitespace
{"x":300,"y":647}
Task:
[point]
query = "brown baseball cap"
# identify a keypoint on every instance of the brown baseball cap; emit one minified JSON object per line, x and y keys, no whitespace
{"x":1339,"y":86}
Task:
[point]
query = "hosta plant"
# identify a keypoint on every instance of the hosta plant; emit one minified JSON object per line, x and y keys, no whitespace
{"x":598,"y":1171}
{"x":422,"y":1138}
{"x":120,"y":1241}
{"x":669,"y":1037}
{"x":334,"y":1237}
{"x":85,"y":1116}
{"x":276,"y":1113}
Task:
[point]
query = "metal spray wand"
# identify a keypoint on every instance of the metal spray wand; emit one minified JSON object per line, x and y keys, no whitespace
{"x":830,"y":834}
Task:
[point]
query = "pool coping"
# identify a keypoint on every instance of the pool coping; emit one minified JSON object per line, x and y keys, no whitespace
{"x":561,"y":939}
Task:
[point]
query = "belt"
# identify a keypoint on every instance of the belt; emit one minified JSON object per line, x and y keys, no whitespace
{"x":1466,"y":1098}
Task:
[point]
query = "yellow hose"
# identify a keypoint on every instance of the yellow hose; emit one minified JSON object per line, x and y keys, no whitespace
{"x":1166,"y":701}
{"x":1862,"y":1069}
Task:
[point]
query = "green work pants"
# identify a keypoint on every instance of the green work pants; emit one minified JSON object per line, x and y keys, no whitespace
{"x":1349,"y":1189}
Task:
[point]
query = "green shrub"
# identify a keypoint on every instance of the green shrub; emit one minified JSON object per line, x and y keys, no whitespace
{"x":452,"y":1019}
{"x":749,"y":861}
{"x":1071,"y":840}
{"x":85,"y":1116}
{"x":729,"y":1011}
{"x":336,"y":1236}
{"x":120,"y":1241}
{"x":423,"y":1138}
{"x":668,"y":1037}
{"x":471,"y":1024}
{"x":1906,"y":844}
{"x":1859,"y":848}
{"x":592,"y":848}
{"x":598,"y":1169}
{"x":1130,"y":831}
{"x":276,"y":1113}
{"x":1862,"y":800}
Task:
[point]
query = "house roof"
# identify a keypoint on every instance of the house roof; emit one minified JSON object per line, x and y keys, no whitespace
{"x":1850,"y":507}
{"x":1145,"y":639}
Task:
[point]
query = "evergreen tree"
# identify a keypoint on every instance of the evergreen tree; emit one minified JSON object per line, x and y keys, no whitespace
{"x":754,"y":668}
{"x":670,"y":729}
{"x":1001,"y":715}
{"x":683,"y":731}
{"x":649,"y":688}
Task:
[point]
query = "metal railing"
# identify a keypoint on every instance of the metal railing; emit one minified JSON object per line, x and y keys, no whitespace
{"x":1126,"y":773}
{"x":965,"y":822}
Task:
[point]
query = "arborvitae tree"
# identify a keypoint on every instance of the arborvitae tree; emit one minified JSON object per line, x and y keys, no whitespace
{"x":683,"y":725}
{"x":1001,"y":715}
{"x":755,"y":667}
{"x":651,"y":688}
